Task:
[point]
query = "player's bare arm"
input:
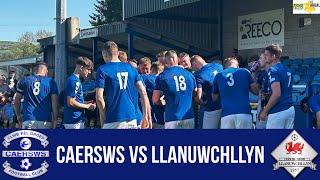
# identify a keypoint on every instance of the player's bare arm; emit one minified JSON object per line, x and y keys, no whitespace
{"x":318,"y":119}
{"x":156,"y":97}
{"x":146,"y":121}
{"x":101,"y":104}
{"x":274,"y":98}
{"x":72,"y":102}
{"x":197,"y":97}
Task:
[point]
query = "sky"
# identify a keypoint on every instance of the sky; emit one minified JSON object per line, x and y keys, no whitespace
{"x":20,"y":16}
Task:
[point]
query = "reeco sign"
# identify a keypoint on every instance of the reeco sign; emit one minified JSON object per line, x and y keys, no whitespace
{"x":261,"y":29}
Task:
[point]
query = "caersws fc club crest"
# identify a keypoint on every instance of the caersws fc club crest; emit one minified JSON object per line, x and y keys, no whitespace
{"x":24,"y":158}
{"x":294,"y":154}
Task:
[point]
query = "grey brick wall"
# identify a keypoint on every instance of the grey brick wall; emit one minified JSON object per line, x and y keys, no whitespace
{"x":298,"y":43}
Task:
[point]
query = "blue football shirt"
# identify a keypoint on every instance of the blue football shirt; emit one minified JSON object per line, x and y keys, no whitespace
{"x":157,"y":112}
{"x":177,"y":85}
{"x":118,"y":80}
{"x":281,"y":73}
{"x":37,"y":91}
{"x":204,"y":79}
{"x":73,"y":88}
{"x":233,"y":85}
{"x":314,"y":104}
{"x":138,"y":106}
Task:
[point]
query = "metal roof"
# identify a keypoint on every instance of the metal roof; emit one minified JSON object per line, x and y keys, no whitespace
{"x":139,"y":7}
{"x":21,"y":61}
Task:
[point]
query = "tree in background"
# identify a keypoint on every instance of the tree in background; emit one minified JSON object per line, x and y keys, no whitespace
{"x":107,"y":11}
{"x":27,"y":45}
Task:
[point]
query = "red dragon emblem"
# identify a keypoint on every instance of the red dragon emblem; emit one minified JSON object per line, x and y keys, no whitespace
{"x":294,"y":148}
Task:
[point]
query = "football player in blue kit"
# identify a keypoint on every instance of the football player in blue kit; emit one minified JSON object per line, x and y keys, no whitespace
{"x":40,"y":94}
{"x":311,"y":104}
{"x":279,"y":109}
{"x":178,"y":86}
{"x":204,"y":78}
{"x":118,"y":81}
{"x":232,"y":85}
{"x":262,"y":78}
{"x":74,"y":104}
{"x":157,"y":111}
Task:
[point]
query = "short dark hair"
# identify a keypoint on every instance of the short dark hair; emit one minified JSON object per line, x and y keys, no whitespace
{"x":274,"y":49}
{"x":84,"y":61}
{"x":253,"y":58}
{"x":12,"y":72}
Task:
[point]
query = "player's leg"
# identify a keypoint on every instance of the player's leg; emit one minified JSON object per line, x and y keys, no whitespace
{"x":186,"y":124}
{"x":11,"y":123}
{"x":260,"y":124}
{"x":5,"y":122}
{"x":243,"y":121}
{"x":78,"y":125}
{"x":43,"y":124}
{"x":157,"y":126}
{"x":228,"y":122}
{"x":211,"y":119}
{"x":290,"y":114}
{"x":130,"y":124}
{"x":29,"y":125}
{"x":172,"y":125}
{"x":276,"y":121}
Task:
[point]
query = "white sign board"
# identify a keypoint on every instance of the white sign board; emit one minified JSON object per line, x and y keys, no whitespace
{"x":306,"y":6}
{"x":261,"y":29}
{"x":89,"y":33}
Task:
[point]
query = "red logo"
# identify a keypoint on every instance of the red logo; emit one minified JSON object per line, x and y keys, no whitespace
{"x":294,"y":148}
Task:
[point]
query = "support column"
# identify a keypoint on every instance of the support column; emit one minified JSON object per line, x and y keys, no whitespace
{"x":60,"y":46}
{"x":221,"y":28}
{"x":130,"y":46}
{"x":95,"y":53}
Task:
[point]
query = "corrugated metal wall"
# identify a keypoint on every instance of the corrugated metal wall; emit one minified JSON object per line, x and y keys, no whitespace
{"x":202,"y":34}
{"x":138,"y":7}
{"x":113,"y":28}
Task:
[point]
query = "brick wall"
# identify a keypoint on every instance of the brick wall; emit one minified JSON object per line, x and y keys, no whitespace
{"x":298,"y":43}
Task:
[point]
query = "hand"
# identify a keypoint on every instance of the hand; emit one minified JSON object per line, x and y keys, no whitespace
{"x":145,"y":124}
{"x":263,"y":115}
{"x":91,"y":107}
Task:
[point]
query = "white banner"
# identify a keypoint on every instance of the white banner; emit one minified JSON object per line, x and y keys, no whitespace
{"x":25,"y":174}
{"x":89,"y":33}
{"x":306,"y":7}
{"x":261,"y":29}
{"x":25,"y":133}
